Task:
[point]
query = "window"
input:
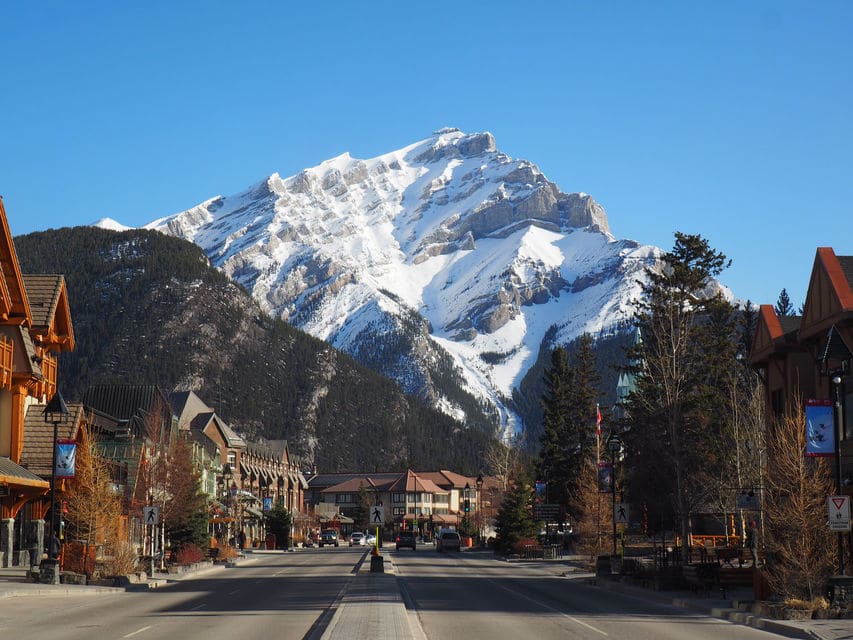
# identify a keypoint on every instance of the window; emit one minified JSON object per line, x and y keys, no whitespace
{"x":343,"y":498}
{"x":399,"y":511}
{"x":232,"y":460}
{"x":414,"y":498}
{"x":441,"y":498}
{"x":398,"y":498}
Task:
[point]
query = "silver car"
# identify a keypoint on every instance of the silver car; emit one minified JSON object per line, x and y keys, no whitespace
{"x":448,"y":541}
{"x":357,"y":539}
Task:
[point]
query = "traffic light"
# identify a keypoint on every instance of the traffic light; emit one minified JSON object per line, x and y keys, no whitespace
{"x":467,"y":506}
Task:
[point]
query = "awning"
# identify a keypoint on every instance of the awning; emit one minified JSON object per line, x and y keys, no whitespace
{"x":254,"y":512}
{"x":338,"y":518}
{"x":445,"y":518}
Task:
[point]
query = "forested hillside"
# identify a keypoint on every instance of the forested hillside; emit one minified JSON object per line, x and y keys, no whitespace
{"x":149,"y":309}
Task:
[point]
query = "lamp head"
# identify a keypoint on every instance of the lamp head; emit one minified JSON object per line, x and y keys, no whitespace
{"x":56,"y":410}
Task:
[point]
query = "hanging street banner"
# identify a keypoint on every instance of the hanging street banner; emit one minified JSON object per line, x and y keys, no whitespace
{"x":66,"y":457}
{"x":605,"y":477}
{"x":540,"y":489}
{"x":839,"y":513}
{"x":548,"y":512}
{"x":820,"y":428}
{"x":267,"y":503}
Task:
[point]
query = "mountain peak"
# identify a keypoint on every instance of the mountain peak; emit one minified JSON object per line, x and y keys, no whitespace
{"x":442,"y":257}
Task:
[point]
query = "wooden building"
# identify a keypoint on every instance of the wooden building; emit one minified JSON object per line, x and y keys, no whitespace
{"x":35,"y":326}
{"x":811,"y":356}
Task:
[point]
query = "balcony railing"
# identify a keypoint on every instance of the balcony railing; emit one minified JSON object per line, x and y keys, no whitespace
{"x":6,"y":351}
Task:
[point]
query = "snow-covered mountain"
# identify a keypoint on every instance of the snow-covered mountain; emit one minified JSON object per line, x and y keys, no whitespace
{"x":446,"y":255}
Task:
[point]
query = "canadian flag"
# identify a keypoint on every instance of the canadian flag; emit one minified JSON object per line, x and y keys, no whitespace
{"x":597,"y":420}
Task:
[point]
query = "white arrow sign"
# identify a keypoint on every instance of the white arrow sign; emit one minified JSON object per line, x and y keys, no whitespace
{"x":839,"y":513}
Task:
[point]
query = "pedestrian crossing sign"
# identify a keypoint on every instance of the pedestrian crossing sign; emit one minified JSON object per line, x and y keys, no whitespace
{"x":377,"y":515}
{"x":620,"y":513}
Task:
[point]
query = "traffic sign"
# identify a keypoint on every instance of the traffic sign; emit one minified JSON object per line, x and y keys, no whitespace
{"x":620,"y":513}
{"x":839,"y":513}
{"x":377,"y":515}
{"x":150,"y":515}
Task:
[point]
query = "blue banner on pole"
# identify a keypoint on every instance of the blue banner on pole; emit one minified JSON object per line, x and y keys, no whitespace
{"x":820,"y":428}
{"x":66,"y":457}
{"x":267,"y":503}
{"x":605,"y":477}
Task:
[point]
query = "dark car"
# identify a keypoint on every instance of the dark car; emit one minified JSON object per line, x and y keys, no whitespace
{"x":406,"y":539}
{"x":328,"y":536}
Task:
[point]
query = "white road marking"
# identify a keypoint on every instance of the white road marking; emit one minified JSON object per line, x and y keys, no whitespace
{"x":545,"y":606}
{"x":130,"y":635}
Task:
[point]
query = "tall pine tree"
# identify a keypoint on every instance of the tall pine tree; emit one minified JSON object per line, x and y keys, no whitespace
{"x":672,"y":413}
{"x":783,"y":304}
{"x":569,"y":415}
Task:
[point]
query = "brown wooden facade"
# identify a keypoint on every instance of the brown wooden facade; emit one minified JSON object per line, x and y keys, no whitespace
{"x":800,"y":356}
{"x":35,"y":326}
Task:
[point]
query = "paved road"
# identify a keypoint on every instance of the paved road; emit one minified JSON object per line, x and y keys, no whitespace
{"x":270,"y":596}
{"x":476,"y":597}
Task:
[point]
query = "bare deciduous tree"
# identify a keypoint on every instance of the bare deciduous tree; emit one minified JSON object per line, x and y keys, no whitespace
{"x":94,"y":507}
{"x":800,"y":545}
{"x":594,"y":529}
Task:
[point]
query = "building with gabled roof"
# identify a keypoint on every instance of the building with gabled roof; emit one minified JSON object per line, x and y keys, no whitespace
{"x":35,"y":326}
{"x":811,"y":356}
{"x":424,"y":500}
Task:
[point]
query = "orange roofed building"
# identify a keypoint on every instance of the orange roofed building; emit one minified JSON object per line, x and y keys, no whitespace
{"x":35,"y":326}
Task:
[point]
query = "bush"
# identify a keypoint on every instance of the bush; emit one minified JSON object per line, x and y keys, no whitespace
{"x":121,"y":559}
{"x":227,"y":552}
{"x":518,"y":547}
{"x":189,"y":554}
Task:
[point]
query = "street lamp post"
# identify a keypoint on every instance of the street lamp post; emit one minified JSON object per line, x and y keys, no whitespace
{"x":614,"y":446}
{"x":839,"y":425}
{"x":479,"y":482}
{"x":56,"y":411}
{"x":467,"y":509}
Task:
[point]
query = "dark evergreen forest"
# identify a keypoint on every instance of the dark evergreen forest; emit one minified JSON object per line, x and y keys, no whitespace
{"x":149,"y":309}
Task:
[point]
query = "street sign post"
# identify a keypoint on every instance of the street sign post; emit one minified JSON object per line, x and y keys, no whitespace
{"x":839,"y":513}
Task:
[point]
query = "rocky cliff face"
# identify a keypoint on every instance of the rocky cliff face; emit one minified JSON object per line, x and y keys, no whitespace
{"x":440,"y":264}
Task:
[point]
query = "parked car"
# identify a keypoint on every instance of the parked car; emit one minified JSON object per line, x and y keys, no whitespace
{"x":448,"y":540}
{"x":370,"y":539}
{"x":406,"y":539}
{"x":357,"y":539}
{"x":328,"y":536}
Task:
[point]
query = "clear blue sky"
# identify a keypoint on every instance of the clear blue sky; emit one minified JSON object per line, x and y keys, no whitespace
{"x":729,"y":119}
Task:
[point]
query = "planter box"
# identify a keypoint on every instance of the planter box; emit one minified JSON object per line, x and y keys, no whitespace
{"x":789,"y":613}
